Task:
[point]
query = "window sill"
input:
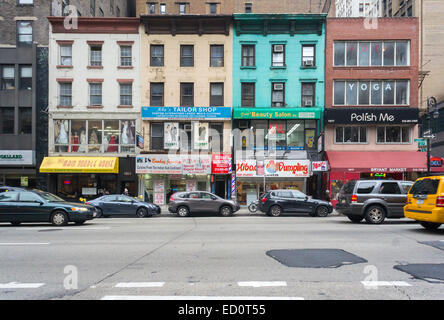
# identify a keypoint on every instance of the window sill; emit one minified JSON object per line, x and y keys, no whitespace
{"x":64,"y":67}
{"x":278,"y":68}
{"x":125,"y":107}
{"x":125,"y":67}
{"x":248,"y":68}
{"x":94,"y":67}
{"x":303,"y":68}
{"x":65,"y":107}
{"x":94,"y":107}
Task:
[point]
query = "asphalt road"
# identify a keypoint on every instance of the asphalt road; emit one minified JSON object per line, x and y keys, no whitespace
{"x":211,"y":257}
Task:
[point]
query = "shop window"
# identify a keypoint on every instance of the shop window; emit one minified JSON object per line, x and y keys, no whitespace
{"x":111,"y":136}
{"x":95,"y":59}
{"x":216,"y":55}
{"x":128,"y":136}
{"x":295,"y":135}
{"x":7,"y":77}
{"x":278,"y":55}
{"x":78,"y":136}
{"x":95,"y":136}
{"x":156,"y":136}
{"x":24,"y":32}
{"x":61,"y":135}
{"x":259,"y":140}
{"x":393,"y":134}
{"x":95,"y":94}
{"x":277,"y":94}
{"x":7,"y":120}
{"x":156,"y":93}
{"x":308,"y":94}
{"x":126,"y":56}
{"x":66,"y":55}
{"x":25,"y":120}
{"x":187,"y":55}
{"x":248,"y":94}
{"x":308,"y":55}
{"x":216,"y":94}
{"x":157,"y":55}
{"x":187,"y":94}
{"x":186,"y":136}
{"x":276,"y":135}
{"x":248,"y":55}
{"x":65,"y":98}
{"x":351,"y":134}
{"x":339,"y":53}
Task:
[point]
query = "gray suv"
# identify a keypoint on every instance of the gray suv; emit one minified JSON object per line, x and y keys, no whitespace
{"x":373,"y":200}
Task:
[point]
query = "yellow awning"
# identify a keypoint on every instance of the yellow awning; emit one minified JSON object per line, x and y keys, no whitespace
{"x":80,"y":165}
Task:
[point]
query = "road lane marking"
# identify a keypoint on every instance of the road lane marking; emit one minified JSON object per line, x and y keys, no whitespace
{"x":139,"y":285}
{"x":24,"y":244}
{"x":258,"y":284}
{"x":73,"y":228}
{"x":197,"y":298}
{"x":16,"y":285}
{"x":385,"y":284}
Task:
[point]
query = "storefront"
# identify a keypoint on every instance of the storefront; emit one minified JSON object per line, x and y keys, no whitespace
{"x":82,"y":177}
{"x":16,"y":168}
{"x":254,"y":177}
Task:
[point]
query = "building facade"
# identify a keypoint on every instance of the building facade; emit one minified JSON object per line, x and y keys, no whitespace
{"x":186,"y":104}
{"x":94,"y":107}
{"x":359,"y":8}
{"x":278,"y":101}
{"x":372,"y":114}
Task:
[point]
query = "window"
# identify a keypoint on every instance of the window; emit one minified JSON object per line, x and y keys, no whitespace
{"x":248,"y":94}
{"x":9,"y":197}
{"x":95,"y":94}
{"x":376,"y":54}
{"x":96,"y":56}
{"x":186,"y":55}
{"x":352,"y":56}
{"x":66,"y":55}
{"x":278,"y":55}
{"x":24,"y":32}
{"x":402,"y":53}
{"x":276,"y":135}
{"x":308,"y":94}
{"x":393,"y":134}
{"x":126,"y":94}
{"x":295,"y":135}
{"x":213,"y":8}
{"x":157,"y":58}
{"x":22,"y":2}
{"x":424,"y":186}
{"x":389,"y":92}
{"x":156,"y":136}
{"x":162,"y":8}
{"x":364,"y":53}
{"x":351,"y":134}
{"x":152,"y":8}
{"x":366,"y":187}
{"x":125,"y":56}
{"x":308,"y":56}
{"x":65,"y":98}
{"x":406,"y":186}
{"x":248,"y":8}
{"x":25,"y":77}
{"x":8,"y":77}
{"x":95,"y":134}
{"x":187,"y":94}
{"x":248,"y":56}
{"x":29,"y":197}
{"x":182,"y":8}
{"x":277,"y":94}
{"x":7,"y":120}
{"x":92,"y":8}
{"x":216,"y":137}
{"x":216,"y":94}
{"x":389,"y":188}
{"x":25,"y":120}
{"x":216,"y":55}
{"x":156,"y":94}
{"x":339,"y":53}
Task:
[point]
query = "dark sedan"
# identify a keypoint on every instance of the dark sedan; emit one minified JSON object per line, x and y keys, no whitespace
{"x":185,"y":203}
{"x":38,"y":206}
{"x":276,"y":202}
{"x":115,"y":204}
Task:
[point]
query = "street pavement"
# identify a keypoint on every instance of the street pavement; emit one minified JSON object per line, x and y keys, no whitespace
{"x":212,"y":257}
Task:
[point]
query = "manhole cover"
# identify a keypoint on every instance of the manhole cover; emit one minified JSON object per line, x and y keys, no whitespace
{"x":423,"y":271}
{"x":314,"y":258}
{"x":436,"y":244}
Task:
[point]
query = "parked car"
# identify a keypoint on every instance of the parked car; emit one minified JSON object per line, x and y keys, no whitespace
{"x":186,"y":203}
{"x":425,"y":202}
{"x":373,"y":200}
{"x":115,"y":204}
{"x":39,"y":206}
{"x":6,"y":189}
{"x":276,"y":202}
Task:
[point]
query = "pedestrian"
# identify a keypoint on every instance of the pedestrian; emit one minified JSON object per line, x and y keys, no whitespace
{"x":125,"y":192}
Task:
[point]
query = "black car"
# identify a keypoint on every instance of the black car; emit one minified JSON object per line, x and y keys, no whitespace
{"x":276,"y":202}
{"x":115,"y":204}
{"x":186,"y":203}
{"x":39,"y":206}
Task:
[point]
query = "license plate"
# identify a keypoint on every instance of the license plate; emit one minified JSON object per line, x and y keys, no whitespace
{"x":419,"y":201}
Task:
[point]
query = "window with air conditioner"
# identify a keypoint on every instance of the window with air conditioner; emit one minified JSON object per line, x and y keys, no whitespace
{"x":278,"y":95}
{"x":278,"y":55}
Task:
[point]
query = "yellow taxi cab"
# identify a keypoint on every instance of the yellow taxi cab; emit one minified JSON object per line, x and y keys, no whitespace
{"x":425,"y":202}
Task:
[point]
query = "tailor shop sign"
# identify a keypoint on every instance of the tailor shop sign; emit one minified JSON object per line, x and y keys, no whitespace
{"x":372,"y":115}
{"x":16,"y":157}
{"x":186,"y":113}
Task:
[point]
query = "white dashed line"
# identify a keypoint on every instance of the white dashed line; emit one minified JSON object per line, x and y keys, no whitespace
{"x":258,"y":284}
{"x":16,"y":285}
{"x":24,"y":244}
{"x":385,"y":284}
{"x":139,"y":285}
{"x":196,"y":298}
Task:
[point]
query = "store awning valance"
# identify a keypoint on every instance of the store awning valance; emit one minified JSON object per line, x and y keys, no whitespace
{"x":80,"y":165}
{"x":390,"y":162}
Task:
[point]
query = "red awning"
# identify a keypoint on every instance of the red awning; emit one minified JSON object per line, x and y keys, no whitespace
{"x":398,"y":161}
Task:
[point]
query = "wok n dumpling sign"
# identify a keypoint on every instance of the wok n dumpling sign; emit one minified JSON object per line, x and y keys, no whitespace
{"x":287,"y":168}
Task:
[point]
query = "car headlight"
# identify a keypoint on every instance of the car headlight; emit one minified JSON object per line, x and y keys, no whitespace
{"x":79,"y":209}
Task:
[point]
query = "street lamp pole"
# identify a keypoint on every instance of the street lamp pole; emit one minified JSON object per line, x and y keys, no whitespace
{"x":431,"y":108}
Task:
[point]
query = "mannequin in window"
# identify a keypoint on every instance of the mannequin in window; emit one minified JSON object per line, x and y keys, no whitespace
{"x":82,"y":147}
{"x":93,"y":142}
{"x":112,"y":146}
{"x":63,"y":136}
{"x":75,"y":142}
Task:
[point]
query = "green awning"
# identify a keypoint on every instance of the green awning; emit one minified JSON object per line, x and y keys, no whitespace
{"x":277,"y":113}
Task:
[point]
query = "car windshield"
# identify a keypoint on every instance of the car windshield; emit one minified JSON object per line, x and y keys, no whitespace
{"x":49,"y":196}
{"x":425,"y":186}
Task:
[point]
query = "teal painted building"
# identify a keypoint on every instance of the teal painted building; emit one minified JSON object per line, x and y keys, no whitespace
{"x":278,"y":96}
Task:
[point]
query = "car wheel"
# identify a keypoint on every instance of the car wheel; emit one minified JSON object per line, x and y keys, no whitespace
{"x":322,"y":211}
{"x":15,"y":223}
{"x":79,"y":223}
{"x":99,"y":213}
{"x":141,"y":213}
{"x":355,"y":219}
{"x":374,"y":215}
{"x":183,"y":212}
{"x":59,"y":218}
{"x":430,"y":225}
{"x":275,"y":211}
{"x":226,"y":211}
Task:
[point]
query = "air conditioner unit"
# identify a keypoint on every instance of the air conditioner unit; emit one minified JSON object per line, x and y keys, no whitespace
{"x":308,"y":103}
{"x":278,"y":48}
{"x":187,"y":127}
{"x":308,"y":63}
{"x":278,"y":86}
{"x":243,"y":124}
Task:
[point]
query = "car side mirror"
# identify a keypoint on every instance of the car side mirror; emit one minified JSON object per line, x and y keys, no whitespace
{"x":306,"y":198}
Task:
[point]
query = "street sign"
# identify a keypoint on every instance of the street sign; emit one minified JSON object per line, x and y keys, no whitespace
{"x":427,"y":132}
{"x":430,"y":136}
